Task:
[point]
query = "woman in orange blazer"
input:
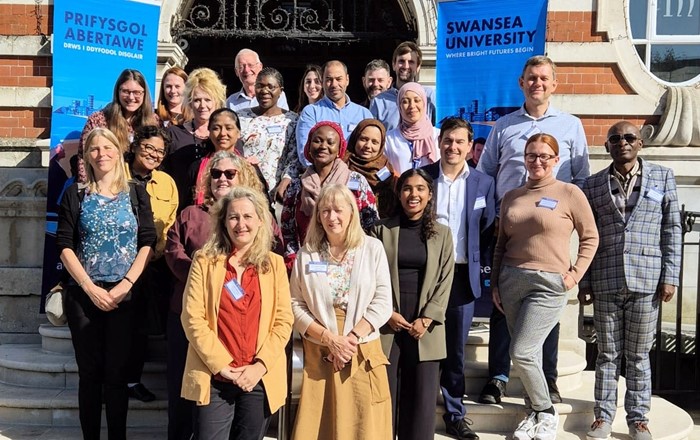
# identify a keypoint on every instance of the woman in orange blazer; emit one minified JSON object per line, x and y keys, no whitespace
{"x":237,"y":317}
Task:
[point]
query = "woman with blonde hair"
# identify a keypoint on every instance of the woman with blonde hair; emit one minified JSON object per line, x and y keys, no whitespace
{"x":225,"y":171}
{"x":169,"y":105}
{"x":105,"y":238}
{"x":204,"y":93}
{"x":341,"y":297}
{"x":237,"y":317}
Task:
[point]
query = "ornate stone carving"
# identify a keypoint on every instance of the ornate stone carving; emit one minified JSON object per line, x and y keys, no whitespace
{"x":680,"y":123}
{"x":21,"y":188}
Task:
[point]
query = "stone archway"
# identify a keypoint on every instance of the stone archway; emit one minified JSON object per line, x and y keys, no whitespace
{"x":419,"y":15}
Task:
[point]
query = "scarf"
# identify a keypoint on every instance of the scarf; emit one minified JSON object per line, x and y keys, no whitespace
{"x":421,"y":133}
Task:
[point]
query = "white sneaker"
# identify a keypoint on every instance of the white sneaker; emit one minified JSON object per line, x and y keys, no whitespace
{"x":526,"y":428}
{"x":547,"y":425}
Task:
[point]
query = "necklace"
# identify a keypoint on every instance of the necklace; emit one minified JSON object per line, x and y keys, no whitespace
{"x":337,"y":259}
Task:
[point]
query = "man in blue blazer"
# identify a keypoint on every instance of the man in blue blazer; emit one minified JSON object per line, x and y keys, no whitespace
{"x":637,"y":265}
{"x":465,"y":201}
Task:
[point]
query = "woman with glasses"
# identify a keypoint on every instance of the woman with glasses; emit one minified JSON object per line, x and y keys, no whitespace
{"x":204,"y":93}
{"x":225,"y":171}
{"x":105,"y":238}
{"x":237,"y":316}
{"x":145,"y":155}
{"x":169,"y":105}
{"x":268,"y":132}
{"x":532,"y":270}
{"x":130,"y":109}
{"x":341,"y":297}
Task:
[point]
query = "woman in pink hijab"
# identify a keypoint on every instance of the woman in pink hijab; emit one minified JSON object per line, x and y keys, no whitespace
{"x":413,"y":143}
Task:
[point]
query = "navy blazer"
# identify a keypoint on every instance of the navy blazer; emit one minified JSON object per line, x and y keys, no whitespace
{"x":644,"y":251}
{"x":480,"y":222}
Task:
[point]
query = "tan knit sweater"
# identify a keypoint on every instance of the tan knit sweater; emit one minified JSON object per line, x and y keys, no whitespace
{"x":536,"y":234}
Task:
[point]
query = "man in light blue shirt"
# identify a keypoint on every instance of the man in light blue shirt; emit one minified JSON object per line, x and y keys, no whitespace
{"x":335,"y":106}
{"x":406,"y":62}
{"x":503,"y":158}
{"x":248,"y":65}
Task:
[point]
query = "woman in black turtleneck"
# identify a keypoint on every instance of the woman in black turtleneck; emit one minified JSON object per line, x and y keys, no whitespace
{"x":421,"y":260}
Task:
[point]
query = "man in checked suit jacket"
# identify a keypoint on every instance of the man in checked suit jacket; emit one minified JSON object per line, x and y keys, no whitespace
{"x":465,"y":201}
{"x":636,"y":266}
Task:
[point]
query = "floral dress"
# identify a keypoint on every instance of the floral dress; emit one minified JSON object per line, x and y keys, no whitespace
{"x":272,"y":140}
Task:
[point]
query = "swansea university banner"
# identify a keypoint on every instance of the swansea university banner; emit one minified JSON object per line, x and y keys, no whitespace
{"x":93,"y":42}
{"x":481,"y":49}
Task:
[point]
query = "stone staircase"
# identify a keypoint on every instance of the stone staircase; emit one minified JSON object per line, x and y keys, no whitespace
{"x":38,"y":389}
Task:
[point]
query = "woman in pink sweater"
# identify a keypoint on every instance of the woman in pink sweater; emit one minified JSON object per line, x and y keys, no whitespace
{"x":532,"y":270}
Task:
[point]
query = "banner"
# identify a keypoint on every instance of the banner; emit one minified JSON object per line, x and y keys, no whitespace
{"x":481,"y":49}
{"x":93,"y":42}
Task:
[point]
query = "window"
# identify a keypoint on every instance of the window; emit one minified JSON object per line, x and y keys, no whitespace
{"x":666,"y":35}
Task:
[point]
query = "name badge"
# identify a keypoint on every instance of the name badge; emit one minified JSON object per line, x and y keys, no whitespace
{"x":480,"y":203}
{"x":351,"y":127}
{"x":547,"y":203}
{"x":353,"y":185}
{"x":383,"y":174}
{"x":530,"y":132}
{"x":274,"y":129}
{"x":235,"y":289}
{"x":317,"y":267}
{"x":655,"y":195}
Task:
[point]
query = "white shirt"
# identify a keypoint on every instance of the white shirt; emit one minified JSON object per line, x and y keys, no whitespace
{"x":452,"y":209}
{"x":399,"y":151}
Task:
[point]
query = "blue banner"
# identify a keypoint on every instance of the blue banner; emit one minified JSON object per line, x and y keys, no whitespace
{"x":93,"y":42}
{"x":481,"y":49}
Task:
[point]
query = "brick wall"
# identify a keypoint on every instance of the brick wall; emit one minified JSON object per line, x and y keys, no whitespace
{"x":564,"y":26}
{"x":596,"y":127}
{"x":25,"y":71}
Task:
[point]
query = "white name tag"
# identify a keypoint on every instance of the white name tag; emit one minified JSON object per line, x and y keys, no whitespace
{"x":235,"y":289}
{"x":274,"y":129}
{"x":655,"y":195}
{"x":383,"y":174}
{"x":547,"y":203}
{"x":533,"y":130}
{"x":480,"y":203}
{"x":317,"y":267}
{"x":353,"y":185}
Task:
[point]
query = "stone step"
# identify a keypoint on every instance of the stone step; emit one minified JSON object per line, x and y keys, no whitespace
{"x":30,"y":366}
{"x":59,"y":407}
{"x":58,"y":340}
{"x":569,"y":367}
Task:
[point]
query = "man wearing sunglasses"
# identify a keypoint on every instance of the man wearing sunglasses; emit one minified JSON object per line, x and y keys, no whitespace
{"x":637,"y":265}
{"x":503,"y":158}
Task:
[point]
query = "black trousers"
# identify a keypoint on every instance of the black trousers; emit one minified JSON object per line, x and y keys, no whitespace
{"x":233,"y":414}
{"x":102,"y":343}
{"x":414,"y":389}
{"x":181,"y":412}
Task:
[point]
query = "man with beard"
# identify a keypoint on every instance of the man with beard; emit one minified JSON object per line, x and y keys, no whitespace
{"x":376,"y":80}
{"x":335,"y":106}
{"x":406,"y":62}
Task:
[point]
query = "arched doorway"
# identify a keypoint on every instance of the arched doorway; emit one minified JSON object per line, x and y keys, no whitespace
{"x":288,"y":35}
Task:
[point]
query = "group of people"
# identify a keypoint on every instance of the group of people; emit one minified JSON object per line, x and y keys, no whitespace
{"x":376,"y":261}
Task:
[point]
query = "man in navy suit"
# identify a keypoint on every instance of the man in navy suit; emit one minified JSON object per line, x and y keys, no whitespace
{"x":637,"y":265}
{"x":465,"y":201}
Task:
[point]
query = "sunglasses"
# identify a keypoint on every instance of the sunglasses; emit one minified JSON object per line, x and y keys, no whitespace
{"x":230,"y":174}
{"x":617,"y":138}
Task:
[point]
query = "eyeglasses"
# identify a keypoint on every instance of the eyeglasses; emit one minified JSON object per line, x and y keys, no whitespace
{"x":150,"y":149}
{"x":532,"y":157}
{"x":617,"y":138}
{"x":136,"y":93}
{"x":230,"y":174}
{"x":269,"y":87}
{"x":243,"y":67}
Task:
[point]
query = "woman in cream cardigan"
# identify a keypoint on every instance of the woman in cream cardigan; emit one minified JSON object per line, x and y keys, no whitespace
{"x":341,"y":296}
{"x":237,"y":317}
